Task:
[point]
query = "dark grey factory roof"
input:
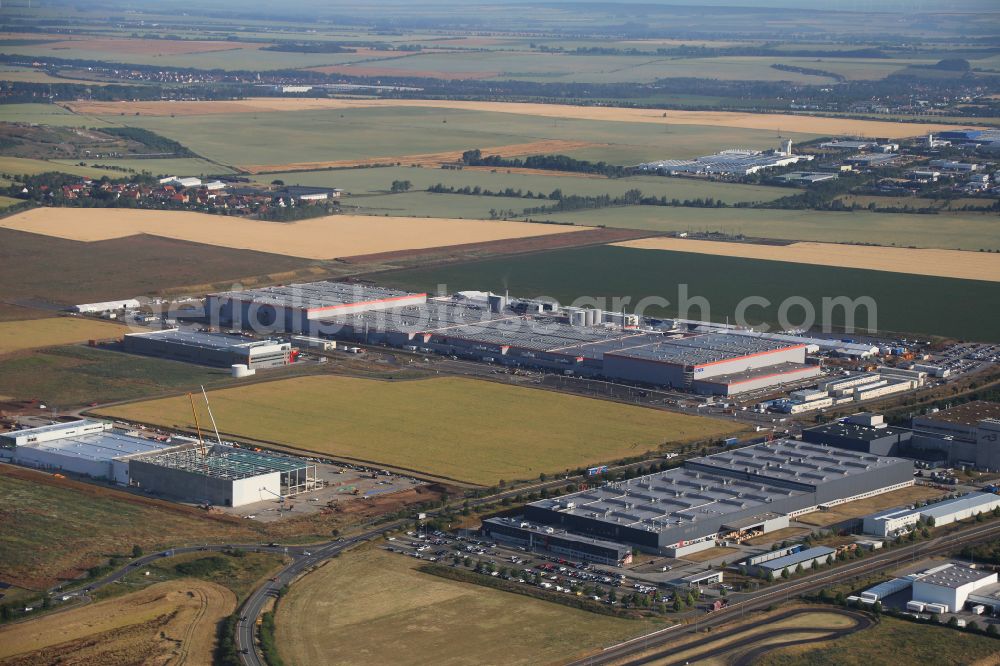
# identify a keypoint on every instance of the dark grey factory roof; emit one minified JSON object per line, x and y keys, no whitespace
{"x":857,"y":431}
{"x":704,"y":349}
{"x":800,"y":462}
{"x":314,"y":294}
{"x":201,"y":339}
{"x":677,"y":497}
{"x":970,"y":414}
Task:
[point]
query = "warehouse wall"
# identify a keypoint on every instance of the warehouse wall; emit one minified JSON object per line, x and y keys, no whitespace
{"x":256,"y":489}
{"x":32,"y":457}
{"x":180,"y":484}
{"x":643,"y":370}
{"x":737,"y":365}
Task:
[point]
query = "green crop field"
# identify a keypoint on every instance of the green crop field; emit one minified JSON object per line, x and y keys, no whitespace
{"x":22,"y":166}
{"x":183,"y":166}
{"x":350,"y":134}
{"x":132,"y":266}
{"x":959,"y":231}
{"x":53,"y":529}
{"x":905,"y":303}
{"x":43,"y":114}
{"x":379,"y":180}
{"x":64,"y":377}
{"x":892,"y":641}
{"x":344,"y":612}
{"x":469,"y":430}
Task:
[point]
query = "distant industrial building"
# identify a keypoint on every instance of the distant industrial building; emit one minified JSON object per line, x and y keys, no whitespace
{"x":900,"y":520}
{"x":867,"y":433}
{"x":733,"y":162}
{"x":847,"y":144}
{"x":214,"y":349}
{"x":85,"y":447}
{"x":967,"y":434}
{"x":549,"y":539}
{"x":295,"y":308}
{"x":106,"y":306}
{"x":807,"y":177}
{"x":745,"y":491}
{"x":222,"y":476}
{"x":525,"y":333}
{"x":871,"y":160}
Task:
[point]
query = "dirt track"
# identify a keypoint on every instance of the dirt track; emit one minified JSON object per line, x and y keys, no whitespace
{"x":167,"y":623}
{"x":938,"y":263}
{"x":762,"y":121}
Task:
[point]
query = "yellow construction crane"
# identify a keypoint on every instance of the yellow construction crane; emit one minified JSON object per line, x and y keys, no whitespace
{"x":197,"y":425}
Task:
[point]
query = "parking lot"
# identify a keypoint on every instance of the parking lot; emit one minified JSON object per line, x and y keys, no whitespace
{"x":550,"y":572}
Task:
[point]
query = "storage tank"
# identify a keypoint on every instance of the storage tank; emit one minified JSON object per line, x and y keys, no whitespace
{"x":598,"y":317}
{"x":242,"y":370}
{"x":578,"y":317}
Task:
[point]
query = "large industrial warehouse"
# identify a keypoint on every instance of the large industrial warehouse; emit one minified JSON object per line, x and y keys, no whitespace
{"x":293,"y":308}
{"x":214,"y":349}
{"x":578,"y":341}
{"x":85,"y":447}
{"x":748,"y":490}
{"x":177,"y":468}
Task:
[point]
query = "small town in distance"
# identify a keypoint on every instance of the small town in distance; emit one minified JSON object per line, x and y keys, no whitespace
{"x":485,"y":333}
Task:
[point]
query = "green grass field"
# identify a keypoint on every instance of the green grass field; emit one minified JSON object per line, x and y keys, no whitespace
{"x":960,"y":231}
{"x":905,"y":303}
{"x":56,"y":530}
{"x":329,"y":135}
{"x":892,"y":641}
{"x":239,"y":574}
{"x":356,"y":609}
{"x":22,"y":166}
{"x":378,"y":180}
{"x":469,"y":430}
{"x":64,"y":377}
{"x":184,"y":166}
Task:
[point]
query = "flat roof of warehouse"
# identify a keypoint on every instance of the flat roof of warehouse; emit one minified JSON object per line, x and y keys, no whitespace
{"x":706,"y":349}
{"x":316,"y":295}
{"x":857,"y":430}
{"x":202,"y":339}
{"x":674,"y":498}
{"x":106,"y":445}
{"x":955,"y":576}
{"x":796,"y":558}
{"x":754,"y":374}
{"x":970,"y":414}
{"x":796,"y":461}
{"x":968,"y":501}
{"x":226,"y":463}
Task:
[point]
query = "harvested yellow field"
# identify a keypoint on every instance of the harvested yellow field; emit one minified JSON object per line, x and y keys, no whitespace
{"x":167,"y":623}
{"x":316,"y":238}
{"x":35,"y":333}
{"x":938,"y":263}
{"x":428,"y":159}
{"x":763,"y":121}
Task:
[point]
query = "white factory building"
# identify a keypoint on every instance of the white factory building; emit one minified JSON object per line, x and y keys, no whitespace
{"x":900,"y":520}
{"x":948,"y":588}
{"x":106,"y":306}
{"x":85,"y":447}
